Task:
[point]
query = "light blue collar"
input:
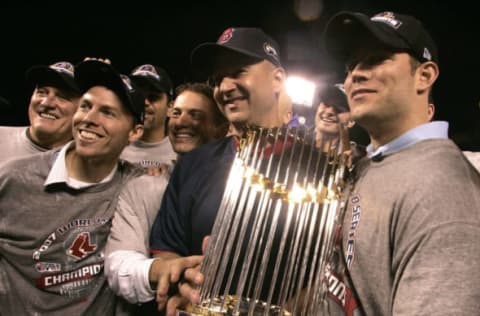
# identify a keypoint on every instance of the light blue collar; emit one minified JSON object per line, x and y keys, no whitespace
{"x":431,"y":130}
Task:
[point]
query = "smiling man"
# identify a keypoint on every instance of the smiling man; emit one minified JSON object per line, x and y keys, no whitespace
{"x":51,"y":261}
{"x":194,"y":120}
{"x":52,"y":104}
{"x":244,"y":68}
{"x":332,"y":112}
{"x":153,"y":149}
{"x":412,"y":218}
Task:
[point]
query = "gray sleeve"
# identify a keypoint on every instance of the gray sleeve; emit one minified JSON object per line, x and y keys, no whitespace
{"x":439,"y":265}
{"x":138,"y":204}
{"x":127,"y":258}
{"x":442,"y":275}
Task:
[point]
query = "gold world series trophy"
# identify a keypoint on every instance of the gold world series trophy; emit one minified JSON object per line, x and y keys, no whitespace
{"x":276,"y":226}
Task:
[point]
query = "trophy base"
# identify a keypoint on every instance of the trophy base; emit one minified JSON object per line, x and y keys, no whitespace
{"x":228,"y":308}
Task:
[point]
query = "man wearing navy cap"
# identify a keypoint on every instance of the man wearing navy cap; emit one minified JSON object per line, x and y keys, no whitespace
{"x":52,"y":104}
{"x":57,"y":206}
{"x":244,"y":68}
{"x":194,"y":120}
{"x":409,"y":244}
{"x":154,"y":149}
{"x":332,"y":111}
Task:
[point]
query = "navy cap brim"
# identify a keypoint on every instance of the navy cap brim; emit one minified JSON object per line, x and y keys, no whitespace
{"x":145,"y":81}
{"x":340,"y":108}
{"x":334,"y":97}
{"x":347,"y":31}
{"x":44,"y":75}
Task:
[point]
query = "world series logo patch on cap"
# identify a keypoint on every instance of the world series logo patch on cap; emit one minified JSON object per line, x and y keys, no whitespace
{"x":387,"y":18}
{"x":226,"y":36}
{"x":146,"y":70}
{"x":270,"y":50}
{"x":64,"y":67}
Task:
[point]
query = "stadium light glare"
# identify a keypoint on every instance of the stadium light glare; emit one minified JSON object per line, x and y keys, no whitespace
{"x":301,"y":90}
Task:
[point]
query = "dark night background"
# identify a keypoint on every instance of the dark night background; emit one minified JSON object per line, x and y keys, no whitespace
{"x":131,"y":33}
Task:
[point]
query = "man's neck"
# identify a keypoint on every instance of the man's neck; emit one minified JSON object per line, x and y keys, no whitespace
{"x":155,"y":135}
{"x":45,"y":142}
{"x":236,"y":129}
{"x":85,"y":169}
{"x":239,"y":129}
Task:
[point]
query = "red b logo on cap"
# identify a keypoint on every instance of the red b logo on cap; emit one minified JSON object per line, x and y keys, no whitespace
{"x":226,"y":36}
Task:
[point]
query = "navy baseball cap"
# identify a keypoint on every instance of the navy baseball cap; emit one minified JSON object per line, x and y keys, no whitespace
{"x":153,"y":76}
{"x":92,"y":73}
{"x":347,"y":30}
{"x":334,"y":96}
{"x":60,"y":75}
{"x":248,"y":41}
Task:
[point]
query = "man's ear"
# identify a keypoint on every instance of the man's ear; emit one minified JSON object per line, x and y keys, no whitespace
{"x":427,"y":74}
{"x":279,"y":78}
{"x":135,"y":133}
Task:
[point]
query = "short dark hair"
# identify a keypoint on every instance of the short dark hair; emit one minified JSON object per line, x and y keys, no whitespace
{"x":207,"y":91}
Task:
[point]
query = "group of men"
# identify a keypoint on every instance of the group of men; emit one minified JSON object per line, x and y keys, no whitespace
{"x":72,"y":186}
{"x":411,"y":218}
